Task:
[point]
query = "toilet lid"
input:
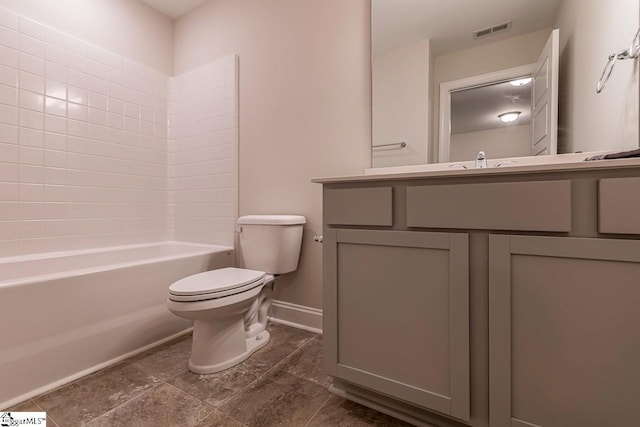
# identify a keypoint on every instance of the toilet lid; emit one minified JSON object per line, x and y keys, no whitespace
{"x":214,"y":281}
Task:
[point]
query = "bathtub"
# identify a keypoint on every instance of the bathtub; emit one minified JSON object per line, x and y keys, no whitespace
{"x":64,"y":315}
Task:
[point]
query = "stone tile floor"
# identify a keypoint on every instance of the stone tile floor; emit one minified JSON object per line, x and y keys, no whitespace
{"x":280,"y":385}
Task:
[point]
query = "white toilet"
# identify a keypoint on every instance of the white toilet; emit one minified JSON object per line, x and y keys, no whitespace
{"x":229,"y":306}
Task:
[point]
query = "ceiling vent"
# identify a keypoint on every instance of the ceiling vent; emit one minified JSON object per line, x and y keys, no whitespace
{"x":499,"y":28}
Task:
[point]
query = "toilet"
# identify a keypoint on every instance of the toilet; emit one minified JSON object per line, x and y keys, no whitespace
{"x":229,"y":306}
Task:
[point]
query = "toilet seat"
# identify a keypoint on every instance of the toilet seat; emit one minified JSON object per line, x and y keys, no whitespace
{"x":215,"y":284}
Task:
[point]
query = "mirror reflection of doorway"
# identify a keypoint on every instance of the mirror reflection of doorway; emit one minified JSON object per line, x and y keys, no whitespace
{"x":486,"y":93}
{"x":495,"y":118}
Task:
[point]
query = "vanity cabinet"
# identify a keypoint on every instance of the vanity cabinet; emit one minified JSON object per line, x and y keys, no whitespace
{"x":563,"y":331}
{"x":397,"y":307}
{"x":487,"y":298}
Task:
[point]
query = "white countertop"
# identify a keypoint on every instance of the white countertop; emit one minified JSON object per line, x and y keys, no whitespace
{"x":541,"y":164}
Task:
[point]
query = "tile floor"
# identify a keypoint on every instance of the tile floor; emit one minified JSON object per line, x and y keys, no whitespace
{"x":280,"y":385}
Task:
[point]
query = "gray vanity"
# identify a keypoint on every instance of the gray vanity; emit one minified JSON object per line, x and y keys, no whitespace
{"x":487,"y":297}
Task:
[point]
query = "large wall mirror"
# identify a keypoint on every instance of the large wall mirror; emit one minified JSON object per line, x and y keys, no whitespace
{"x":511,"y":78}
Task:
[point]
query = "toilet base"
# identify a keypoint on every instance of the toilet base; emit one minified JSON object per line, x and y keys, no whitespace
{"x":253,"y":344}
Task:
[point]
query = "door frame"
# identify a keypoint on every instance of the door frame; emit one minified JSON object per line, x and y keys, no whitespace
{"x":446,"y":88}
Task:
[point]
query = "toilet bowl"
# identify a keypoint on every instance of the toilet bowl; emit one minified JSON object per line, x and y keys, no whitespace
{"x":229,"y":306}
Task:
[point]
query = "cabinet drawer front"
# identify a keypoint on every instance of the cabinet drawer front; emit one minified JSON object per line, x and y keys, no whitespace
{"x":359,"y":206}
{"x":619,"y":206}
{"x":536,"y":206}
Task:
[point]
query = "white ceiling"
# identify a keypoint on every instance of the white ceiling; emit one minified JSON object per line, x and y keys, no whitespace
{"x":174,"y":8}
{"x":449,"y":23}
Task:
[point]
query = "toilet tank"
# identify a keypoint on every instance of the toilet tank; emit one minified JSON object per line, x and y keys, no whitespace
{"x":271,"y":243}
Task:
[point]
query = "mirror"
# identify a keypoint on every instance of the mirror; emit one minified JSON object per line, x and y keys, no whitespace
{"x":435,"y":60}
{"x":495,"y":117}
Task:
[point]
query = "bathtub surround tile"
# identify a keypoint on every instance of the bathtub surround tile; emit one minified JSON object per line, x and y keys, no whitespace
{"x":164,"y":405}
{"x":201,"y":106}
{"x":338,"y":412}
{"x":89,"y":397}
{"x":56,"y":88}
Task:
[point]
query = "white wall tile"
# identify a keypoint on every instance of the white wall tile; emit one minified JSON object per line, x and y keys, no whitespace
{"x":202,"y":158}
{"x":77,"y":112}
{"x":8,"y":191}
{"x":85,"y":150}
{"x":78,"y":79}
{"x":8,"y":37}
{"x":97,"y":85}
{"x":32,"y":28}
{"x":8,"y":95}
{"x":55,"y":72}
{"x":31,"y":192}
{"x":55,"y":106}
{"x":9,"y":153}
{"x":31,"y":156}
{"x":55,"y":124}
{"x":31,"y":82}
{"x":77,"y":95}
{"x":31,"y":101}
{"x":9,"y":57}
{"x":8,"y":19}
{"x":98,"y":117}
{"x":31,"y":137}
{"x":31,"y":119}
{"x":30,"y":174}
{"x":8,"y":76}
{"x":31,"y":46}
{"x":55,"y":158}
{"x":32,"y":64}
{"x":97,"y":101}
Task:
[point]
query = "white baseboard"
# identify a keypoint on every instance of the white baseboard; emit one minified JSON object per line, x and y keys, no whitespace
{"x":88,"y":371}
{"x":297,"y":316}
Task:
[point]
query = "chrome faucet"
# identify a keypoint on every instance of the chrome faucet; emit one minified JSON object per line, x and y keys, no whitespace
{"x":481,"y":160}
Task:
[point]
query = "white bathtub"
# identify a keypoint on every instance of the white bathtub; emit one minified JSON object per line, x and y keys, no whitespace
{"x":66,"y":314}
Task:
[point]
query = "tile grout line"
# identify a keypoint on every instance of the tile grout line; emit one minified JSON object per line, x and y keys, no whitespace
{"x":213,"y":408}
{"x":295,"y":350}
{"x":193,"y":397}
{"x":33,"y":400}
{"x":318,"y":411}
{"x":301,"y":377}
{"x":123,"y":403}
{"x":266,"y":372}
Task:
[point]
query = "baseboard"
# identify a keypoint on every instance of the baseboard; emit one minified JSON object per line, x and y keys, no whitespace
{"x":297,"y":316}
{"x":88,"y":371}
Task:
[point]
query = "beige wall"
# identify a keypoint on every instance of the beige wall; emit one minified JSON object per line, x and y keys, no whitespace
{"x":512,"y":52}
{"x":305,"y":105}
{"x":590,"y":121}
{"x":125,"y":27}
{"x":509,"y":141}
{"x":401,"y":104}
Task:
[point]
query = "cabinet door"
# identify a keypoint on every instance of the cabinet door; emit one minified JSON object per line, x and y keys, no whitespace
{"x":564,"y":341}
{"x":396,"y":315}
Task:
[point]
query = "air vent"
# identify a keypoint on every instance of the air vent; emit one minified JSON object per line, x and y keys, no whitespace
{"x":499,"y":28}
